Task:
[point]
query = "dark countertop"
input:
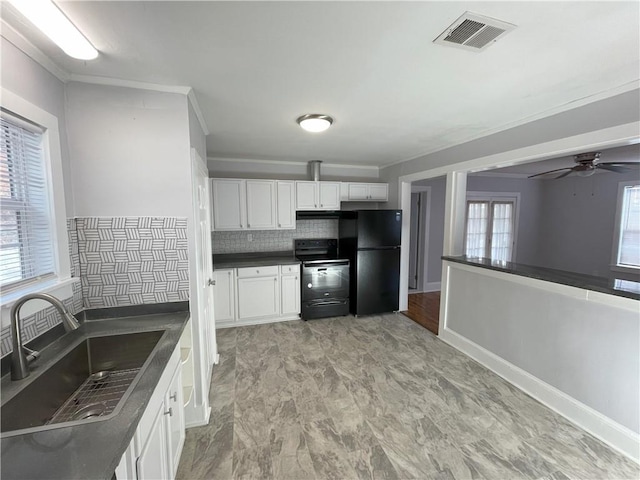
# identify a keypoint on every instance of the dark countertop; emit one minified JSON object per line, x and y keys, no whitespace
{"x":91,"y":450}
{"x":612,"y":286}
{"x":258,"y":259}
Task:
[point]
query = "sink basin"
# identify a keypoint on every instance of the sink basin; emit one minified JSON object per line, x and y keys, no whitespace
{"x":90,"y":383}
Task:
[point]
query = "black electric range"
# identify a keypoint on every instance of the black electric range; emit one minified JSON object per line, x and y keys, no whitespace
{"x":324,"y":278}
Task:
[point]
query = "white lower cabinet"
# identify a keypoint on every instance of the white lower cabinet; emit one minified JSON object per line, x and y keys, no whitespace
{"x":260,"y":295}
{"x":224,"y":296}
{"x":154,"y":452}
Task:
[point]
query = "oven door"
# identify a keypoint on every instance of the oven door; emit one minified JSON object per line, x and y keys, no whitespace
{"x":325,"y":280}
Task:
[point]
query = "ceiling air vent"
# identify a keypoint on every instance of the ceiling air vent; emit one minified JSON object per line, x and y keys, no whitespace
{"x":473,"y":32}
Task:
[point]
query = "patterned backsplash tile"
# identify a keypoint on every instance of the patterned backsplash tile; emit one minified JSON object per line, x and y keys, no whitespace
{"x":272,"y":240}
{"x":130,"y":261}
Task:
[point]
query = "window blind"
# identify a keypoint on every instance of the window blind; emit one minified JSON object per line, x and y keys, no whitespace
{"x":26,"y":241}
{"x":629,"y":249}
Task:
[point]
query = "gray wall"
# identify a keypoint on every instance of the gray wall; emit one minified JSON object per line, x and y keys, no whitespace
{"x":28,"y":79}
{"x":435,"y":230}
{"x":618,"y":110}
{"x":288,"y":171}
{"x":578,"y":222}
{"x":528,"y":232}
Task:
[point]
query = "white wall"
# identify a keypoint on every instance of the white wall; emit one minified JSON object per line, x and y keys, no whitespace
{"x":129,"y":151}
{"x":197,"y":137}
{"x":29,"y":80}
{"x":582,"y":344}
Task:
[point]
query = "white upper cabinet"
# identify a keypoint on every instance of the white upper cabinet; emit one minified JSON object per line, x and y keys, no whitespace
{"x":317,"y":195}
{"x":229,"y":204}
{"x":306,"y":195}
{"x":240,"y":204}
{"x":366,"y":192}
{"x":261,"y":204}
{"x":286,"y":204}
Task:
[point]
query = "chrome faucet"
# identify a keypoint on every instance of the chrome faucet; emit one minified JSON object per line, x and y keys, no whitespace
{"x":22,"y":356}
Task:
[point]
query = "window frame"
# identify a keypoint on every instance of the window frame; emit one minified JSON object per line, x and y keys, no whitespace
{"x":61,"y":283}
{"x":491,"y":197}
{"x":617,"y":230}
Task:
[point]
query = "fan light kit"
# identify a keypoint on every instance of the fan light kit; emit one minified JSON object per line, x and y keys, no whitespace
{"x":587,"y":164}
{"x":314,"y":122}
{"x":45,"y":15}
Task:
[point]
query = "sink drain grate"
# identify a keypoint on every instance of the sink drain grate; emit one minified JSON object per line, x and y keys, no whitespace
{"x":102,"y":391}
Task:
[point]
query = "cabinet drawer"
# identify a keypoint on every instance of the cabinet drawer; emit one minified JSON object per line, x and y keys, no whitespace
{"x":289,"y":269}
{"x":257,"y":271}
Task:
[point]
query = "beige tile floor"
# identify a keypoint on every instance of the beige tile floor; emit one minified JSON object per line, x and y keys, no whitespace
{"x":377,"y":398}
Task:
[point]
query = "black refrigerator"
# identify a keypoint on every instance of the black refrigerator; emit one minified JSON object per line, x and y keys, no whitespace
{"x":370,"y":239}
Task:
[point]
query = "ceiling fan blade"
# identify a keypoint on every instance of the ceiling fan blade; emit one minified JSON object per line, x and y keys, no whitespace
{"x":562,"y":175}
{"x":551,"y":171}
{"x":613,"y":168}
{"x":637,"y":164}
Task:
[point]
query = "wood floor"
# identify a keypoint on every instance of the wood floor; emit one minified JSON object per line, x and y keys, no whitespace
{"x":424,"y":309}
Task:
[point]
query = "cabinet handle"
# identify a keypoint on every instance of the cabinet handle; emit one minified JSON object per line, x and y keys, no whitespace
{"x":174,"y":396}
{"x":315,"y":205}
{"x":248,"y":225}
{"x":279,"y":225}
{"x":211,"y":282}
{"x":170,"y":412}
{"x":296,"y":277}
{"x":275,"y":279}
{"x":229,"y":273}
{"x":257,"y":271}
{"x":321,"y":205}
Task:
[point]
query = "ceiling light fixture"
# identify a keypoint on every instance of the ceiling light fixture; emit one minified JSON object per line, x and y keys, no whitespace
{"x":314,"y":122}
{"x":45,"y":15}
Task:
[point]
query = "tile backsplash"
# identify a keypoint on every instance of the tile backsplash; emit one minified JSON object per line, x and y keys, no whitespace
{"x":272,"y":240}
{"x":133,"y":260}
{"x":120,"y":261}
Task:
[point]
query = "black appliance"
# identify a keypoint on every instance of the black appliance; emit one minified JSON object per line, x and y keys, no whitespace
{"x":324,"y":287}
{"x":370,"y":239}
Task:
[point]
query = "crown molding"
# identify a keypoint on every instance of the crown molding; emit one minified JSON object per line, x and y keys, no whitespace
{"x":196,"y":109}
{"x":289,"y":162}
{"x":489,"y":173}
{"x":612,"y":92}
{"x":18,"y":40}
{"x":120,"y":82}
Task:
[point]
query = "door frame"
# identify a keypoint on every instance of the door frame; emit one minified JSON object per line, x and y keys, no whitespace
{"x":423,"y":250}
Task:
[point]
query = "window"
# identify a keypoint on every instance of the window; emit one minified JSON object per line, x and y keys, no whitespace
{"x":627,"y":240}
{"x":34,"y":247}
{"x":490,"y":226}
{"x":26,"y":243}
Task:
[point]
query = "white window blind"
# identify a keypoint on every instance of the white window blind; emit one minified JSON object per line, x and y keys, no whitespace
{"x":629,"y":247}
{"x":26,"y":242}
{"x":490,"y":229}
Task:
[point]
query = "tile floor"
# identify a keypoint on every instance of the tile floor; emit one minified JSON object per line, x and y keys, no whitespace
{"x":376,"y":398}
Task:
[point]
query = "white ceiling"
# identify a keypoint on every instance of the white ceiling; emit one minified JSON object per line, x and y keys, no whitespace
{"x":256,"y":66}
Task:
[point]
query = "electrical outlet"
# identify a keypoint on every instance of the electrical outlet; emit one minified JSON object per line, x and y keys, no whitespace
{"x":250,"y":237}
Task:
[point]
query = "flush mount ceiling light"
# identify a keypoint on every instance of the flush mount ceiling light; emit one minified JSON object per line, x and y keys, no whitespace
{"x":314,"y":122}
{"x":45,"y":15}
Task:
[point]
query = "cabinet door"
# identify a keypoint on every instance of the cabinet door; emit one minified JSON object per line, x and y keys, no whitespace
{"x":258,"y":297}
{"x":306,"y":195}
{"x":286,"y":210}
{"x":152,"y":461}
{"x":229,"y":204}
{"x":290,"y":298}
{"x":174,"y":422}
{"x":329,"y":196}
{"x":379,"y":192}
{"x":358,"y":191}
{"x":223,"y":296}
{"x":261,"y":204}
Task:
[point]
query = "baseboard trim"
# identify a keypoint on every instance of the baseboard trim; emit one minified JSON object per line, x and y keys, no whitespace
{"x":257,"y":321}
{"x":612,"y":433}
{"x":431,"y":287}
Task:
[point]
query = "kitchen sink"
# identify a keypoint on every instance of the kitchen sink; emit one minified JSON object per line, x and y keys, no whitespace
{"x":90,"y":383}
